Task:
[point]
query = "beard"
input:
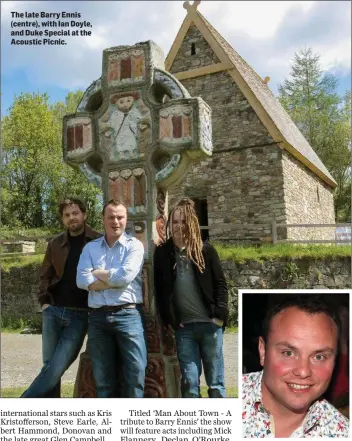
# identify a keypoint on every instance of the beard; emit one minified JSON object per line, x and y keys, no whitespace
{"x":75,"y":227}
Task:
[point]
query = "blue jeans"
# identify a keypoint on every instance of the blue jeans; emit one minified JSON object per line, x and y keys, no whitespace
{"x":63,"y":335}
{"x":199,"y":343}
{"x":115,"y":337}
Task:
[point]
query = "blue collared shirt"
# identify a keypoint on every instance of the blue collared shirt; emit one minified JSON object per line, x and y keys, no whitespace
{"x":124,"y":261}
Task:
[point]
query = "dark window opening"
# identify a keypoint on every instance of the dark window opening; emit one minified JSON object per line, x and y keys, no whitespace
{"x":201,"y":207}
{"x":193,"y":49}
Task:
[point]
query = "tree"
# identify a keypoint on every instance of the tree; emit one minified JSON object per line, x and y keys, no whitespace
{"x":323,"y":117}
{"x":29,"y":140}
{"x":34,"y":176}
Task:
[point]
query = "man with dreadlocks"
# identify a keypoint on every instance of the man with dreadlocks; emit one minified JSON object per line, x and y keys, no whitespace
{"x":191,"y":295}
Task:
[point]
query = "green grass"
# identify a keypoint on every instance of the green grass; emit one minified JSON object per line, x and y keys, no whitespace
{"x":231,"y":330}
{"x":67,"y":391}
{"x":19,"y":261}
{"x":9,"y":330}
{"x":33,"y":233}
{"x":231,"y":392}
{"x":240,"y":254}
{"x":15,"y":392}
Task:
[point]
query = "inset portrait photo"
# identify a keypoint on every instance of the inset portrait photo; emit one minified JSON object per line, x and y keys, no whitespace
{"x":295,"y":364}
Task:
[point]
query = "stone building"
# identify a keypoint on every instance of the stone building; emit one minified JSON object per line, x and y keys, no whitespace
{"x":262,"y":168}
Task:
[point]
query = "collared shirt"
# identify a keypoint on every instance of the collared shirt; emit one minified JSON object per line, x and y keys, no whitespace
{"x":322,"y":419}
{"x":124,"y":261}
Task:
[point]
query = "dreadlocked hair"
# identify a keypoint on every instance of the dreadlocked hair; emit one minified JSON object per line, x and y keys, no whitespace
{"x":193,"y":240}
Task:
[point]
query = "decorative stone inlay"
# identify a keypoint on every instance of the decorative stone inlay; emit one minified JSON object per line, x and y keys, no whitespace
{"x":153,"y":339}
{"x":121,"y":125}
{"x":126,"y":67}
{"x":128,"y":158}
{"x":155,"y":381}
{"x":130,"y":187}
{"x":175,"y":124}
{"x":172,"y":86}
{"x":79,"y":137}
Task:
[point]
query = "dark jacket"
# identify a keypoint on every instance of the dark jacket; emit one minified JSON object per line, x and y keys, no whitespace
{"x":54,"y":263}
{"x":212,"y":283}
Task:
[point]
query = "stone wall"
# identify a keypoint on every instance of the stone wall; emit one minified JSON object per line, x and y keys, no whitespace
{"x":18,"y":295}
{"x":308,"y":201}
{"x":204,"y":54}
{"x":19,"y":285}
{"x":242,"y":182}
{"x":241,"y":187}
{"x":248,"y":179}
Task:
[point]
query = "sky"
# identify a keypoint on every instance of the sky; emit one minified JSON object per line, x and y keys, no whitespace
{"x":265,"y":33}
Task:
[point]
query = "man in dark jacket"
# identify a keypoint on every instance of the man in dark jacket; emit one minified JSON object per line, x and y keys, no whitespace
{"x":64,"y":306}
{"x":192,"y":297}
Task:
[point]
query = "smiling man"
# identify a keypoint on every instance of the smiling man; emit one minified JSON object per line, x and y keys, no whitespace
{"x":297,"y":350}
{"x":110,"y":268}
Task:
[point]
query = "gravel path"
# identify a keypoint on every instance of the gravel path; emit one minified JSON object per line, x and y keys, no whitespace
{"x":21,"y":360}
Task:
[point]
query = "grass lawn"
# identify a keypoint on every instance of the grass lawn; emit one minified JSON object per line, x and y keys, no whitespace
{"x":236,"y":253}
{"x":240,"y":254}
{"x":67,"y":391}
{"x":15,"y":392}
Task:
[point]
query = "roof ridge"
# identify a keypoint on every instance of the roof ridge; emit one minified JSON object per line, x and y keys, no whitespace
{"x":275,"y":110}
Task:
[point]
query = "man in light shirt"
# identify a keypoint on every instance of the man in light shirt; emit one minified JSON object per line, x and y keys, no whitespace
{"x":110,"y":268}
{"x":297,"y":350}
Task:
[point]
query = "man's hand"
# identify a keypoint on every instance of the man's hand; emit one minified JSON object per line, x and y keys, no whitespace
{"x":45,"y":305}
{"x":101,"y":274}
{"x":170,"y":330}
{"x":98,"y":285}
{"x":217,"y":321}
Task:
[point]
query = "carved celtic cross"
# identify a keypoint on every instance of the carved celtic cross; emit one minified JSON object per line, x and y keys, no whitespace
{"x":134,"y":134}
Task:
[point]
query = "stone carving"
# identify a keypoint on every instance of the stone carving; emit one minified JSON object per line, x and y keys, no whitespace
{"x":145,"y":289}
{"x":121,"y":125}
{"x":153,"y":340}
{"x":206,"y":128}
{"x":169,"y":344}
{"x":175,"y":124}
{"x":161,"y":218}
{"x":169,"y":169}
{"x":85,"y":386}
{"x":139,"y":230}
{"x":92,"y":89}
{"x":130,"y":187}
{"x":79,"y":137}
{"x":135,"y":148}
{"x":94,"y":178}
{"x":126,"y":67}
{"x":155,"y":379}
{"x":172,"y":86}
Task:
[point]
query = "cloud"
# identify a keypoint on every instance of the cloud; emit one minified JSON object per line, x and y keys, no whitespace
{"x":267,"y":44}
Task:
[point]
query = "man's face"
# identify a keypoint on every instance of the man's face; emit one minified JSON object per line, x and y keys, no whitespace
{"x":73,"y":219}
{"x":178,"y":227}
{"x":125,"y":103}
{"x":298,"y":359}
{"x":115,"y":219}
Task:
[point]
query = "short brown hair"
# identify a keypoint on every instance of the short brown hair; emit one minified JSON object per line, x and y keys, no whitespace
{"x":71,"y":201}
{"x":115,"y":203}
